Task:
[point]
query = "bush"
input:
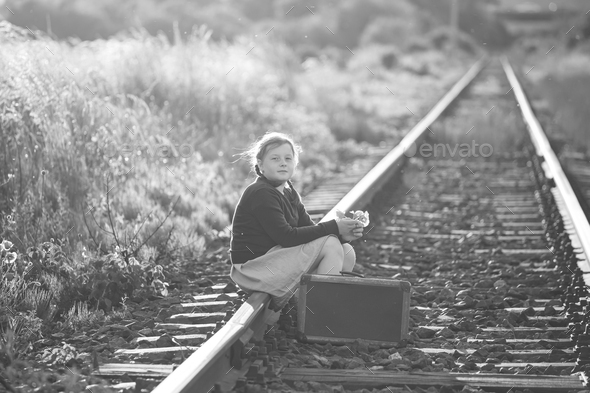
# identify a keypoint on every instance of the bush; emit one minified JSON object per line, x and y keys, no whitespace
{"x":441,"y":38}
{"x":390,"y":30}
{"x":374,"y":57}
{"x":418,"y":44}
{"x":89,"y":20}
{"x":308,"y":31}
{"x":223,"y":20}
{"x":30,"y":377}
{"x":256,"y":9}
{"x":289,"y":9}
{"x":68,"y":131}
{"x":475,"y":20}
{"x":483,"y":26}
{"x":341,"y":95}
{"x":568,"y":97}
{"x":355,"y":15}
{"x":30,"y":289}
{"x":44,"y":283}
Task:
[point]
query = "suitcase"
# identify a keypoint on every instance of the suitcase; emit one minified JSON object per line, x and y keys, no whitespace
{"x":341,"y":309}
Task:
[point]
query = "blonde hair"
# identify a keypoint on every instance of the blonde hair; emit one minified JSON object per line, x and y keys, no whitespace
{"x":270,"y":140}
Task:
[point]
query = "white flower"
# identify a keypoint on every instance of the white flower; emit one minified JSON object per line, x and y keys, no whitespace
{"x":10,"y":258}
{"x":361,"y":216}
{"x":7,"y":245}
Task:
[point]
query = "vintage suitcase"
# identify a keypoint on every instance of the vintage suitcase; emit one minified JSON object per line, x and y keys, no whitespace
{"x":341,"y":309}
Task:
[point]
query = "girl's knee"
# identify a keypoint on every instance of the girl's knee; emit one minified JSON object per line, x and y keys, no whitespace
{"x":333,"y":244}
{"x":348,"y":250}
{"x":349,"y":257}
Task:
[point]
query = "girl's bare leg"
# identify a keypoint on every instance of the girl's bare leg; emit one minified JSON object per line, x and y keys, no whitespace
{"x":331,"y":257}
{"x":349,"y":257}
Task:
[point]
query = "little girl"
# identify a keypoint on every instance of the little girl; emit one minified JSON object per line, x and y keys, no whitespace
{"x":274,"y":241}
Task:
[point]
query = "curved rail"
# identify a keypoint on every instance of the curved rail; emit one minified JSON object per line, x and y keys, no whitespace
{"x":551,"y":165}
{"x":220,"y":354}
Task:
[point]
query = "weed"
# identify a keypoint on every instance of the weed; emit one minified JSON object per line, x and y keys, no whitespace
{"x":80,"y":316}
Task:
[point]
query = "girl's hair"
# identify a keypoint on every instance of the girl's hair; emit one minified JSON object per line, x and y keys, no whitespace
{"x":269,"y":141}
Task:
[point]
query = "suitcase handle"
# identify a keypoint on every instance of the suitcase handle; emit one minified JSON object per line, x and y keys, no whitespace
{"x":352,"y":274}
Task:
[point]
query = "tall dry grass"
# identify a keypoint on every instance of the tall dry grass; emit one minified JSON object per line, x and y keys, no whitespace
{"x":570,"y":101}
{"x":567,"y":90}
{"x":558,"y":85}
{"x":492,"y":128}
{"x":159,"y":121}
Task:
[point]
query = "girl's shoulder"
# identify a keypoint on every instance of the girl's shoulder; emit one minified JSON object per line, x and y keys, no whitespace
{"x":259,"y":188}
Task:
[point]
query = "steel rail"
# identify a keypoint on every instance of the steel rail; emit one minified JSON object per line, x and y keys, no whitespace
{"x":551,"y":164}
{"x":220,"y":354}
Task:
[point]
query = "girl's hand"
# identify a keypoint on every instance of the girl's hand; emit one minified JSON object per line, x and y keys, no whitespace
{"x":346,"y":225}
{"x":358,"y":232}
{"x":359,"y":215}
{"x":349,"y":229}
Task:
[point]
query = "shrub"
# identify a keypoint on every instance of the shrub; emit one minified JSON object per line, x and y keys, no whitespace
{"x":334,"y":55}
{"x":475,"y":20}
{"x":257,"y":9}
{"x":43,"y":283}
{"x":374,"y":57}
{"x":418,"y":44}
{"x":81,"y":316}
{"x":442,"y":38}
{"x":390,"y":30}
{"x":568,"y":97}
{"x":188,"y":131}
{"x":483,"y":26}
{"x":223,"y":20}
{"x":307,"y":31}
{"x":24,"y":376}
{"x":289,"y":9}
{"x":89,"y":20}
{"x":355,"y":15}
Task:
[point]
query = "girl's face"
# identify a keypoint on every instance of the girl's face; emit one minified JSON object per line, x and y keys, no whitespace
{"x":278,"y":163}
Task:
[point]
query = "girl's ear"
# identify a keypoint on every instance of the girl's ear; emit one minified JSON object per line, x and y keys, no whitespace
{"x":259,"y":162}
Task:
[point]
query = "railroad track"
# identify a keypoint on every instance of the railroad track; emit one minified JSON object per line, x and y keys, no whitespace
{"x":154,"y":349}
{"x":493,"y":246}
{"x":498,"y":286}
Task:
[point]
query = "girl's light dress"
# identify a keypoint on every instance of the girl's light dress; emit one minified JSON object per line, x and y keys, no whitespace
{"x":279,"y":271}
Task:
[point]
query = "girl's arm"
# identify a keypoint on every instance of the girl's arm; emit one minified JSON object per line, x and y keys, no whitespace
{"x":266,"y":207}
{"x":305,"y":219}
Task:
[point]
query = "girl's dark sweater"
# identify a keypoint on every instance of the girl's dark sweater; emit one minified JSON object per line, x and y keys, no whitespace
{"x":264,"y":217}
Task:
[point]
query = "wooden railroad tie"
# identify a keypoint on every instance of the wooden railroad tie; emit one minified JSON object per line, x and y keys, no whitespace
{"x":367,"y":378}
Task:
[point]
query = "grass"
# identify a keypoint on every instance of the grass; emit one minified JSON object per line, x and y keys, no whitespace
{"x":502,"y":130}
{"x":369,"y":100}
{"x":558,"y":84}
{"x":473,"y":134}
{"x":157,"y":120}
{"x":569,"y":102}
